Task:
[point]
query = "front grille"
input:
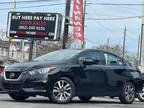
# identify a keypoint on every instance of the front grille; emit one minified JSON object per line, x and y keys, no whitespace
{"x":12,"y":75}
{"x":11,"y":86}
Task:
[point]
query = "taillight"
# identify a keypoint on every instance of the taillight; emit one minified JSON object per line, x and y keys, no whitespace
{"x":138,"y":71}
{"x":2,"y":69}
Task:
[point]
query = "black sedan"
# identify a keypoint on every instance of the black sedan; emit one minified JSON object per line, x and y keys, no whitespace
{"x":63,"y":74}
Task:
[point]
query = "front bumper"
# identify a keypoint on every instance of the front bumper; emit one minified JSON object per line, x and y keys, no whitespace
{"x":16,"y":86}
{"x":26,"y":83}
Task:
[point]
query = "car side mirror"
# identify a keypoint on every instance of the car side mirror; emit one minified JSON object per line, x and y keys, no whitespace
{"x":86,"y":61}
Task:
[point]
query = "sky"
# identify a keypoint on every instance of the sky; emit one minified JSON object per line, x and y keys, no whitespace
{"x":97,"y":32}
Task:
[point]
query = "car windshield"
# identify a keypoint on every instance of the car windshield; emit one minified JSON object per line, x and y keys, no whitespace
{"x":58,"y":55}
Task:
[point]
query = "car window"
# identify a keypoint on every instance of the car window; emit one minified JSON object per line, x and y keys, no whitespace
{"x":96,"y":56}
{"x":113,"y":60}
{"x":58,"y":55}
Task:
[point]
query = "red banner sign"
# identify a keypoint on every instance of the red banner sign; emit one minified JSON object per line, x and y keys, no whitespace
{"x":78,"y":20}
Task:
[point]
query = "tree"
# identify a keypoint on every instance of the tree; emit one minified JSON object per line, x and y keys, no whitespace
{"x":49,"y":46}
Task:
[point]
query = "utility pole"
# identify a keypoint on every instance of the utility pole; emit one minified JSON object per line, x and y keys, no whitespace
{"x":66,"y":26}
{"x":124,"y":42}
{"x":138,"y":53}
{"x":10,"y":39}
{"x":107,"y":44}
{"x":84,"y":12}
{"x":142,"y":41}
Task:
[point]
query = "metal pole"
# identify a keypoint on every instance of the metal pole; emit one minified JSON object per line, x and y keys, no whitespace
{"x":22,"y":50}
{"x":31,"y":50}
{"x":124,"y":42}
{"x":14,"y":5}
{"x":138,"y":53}
{"x":84,"y":12}
{"x":66,"y":26}
{"x":107,"y":44}
{"x":14,"y":9}
{"x":142,"y":41}
{"x":35,"y":48}
{"x":141,"y":48}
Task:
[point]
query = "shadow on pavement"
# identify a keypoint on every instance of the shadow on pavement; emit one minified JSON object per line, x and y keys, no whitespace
{"x":72,"y":102}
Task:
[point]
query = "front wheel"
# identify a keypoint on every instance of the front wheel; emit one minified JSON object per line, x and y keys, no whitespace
{"x":140,"y":96}
{"x":18,"y":96}
{"x":63,"y":91}
{"x":127,"y":95}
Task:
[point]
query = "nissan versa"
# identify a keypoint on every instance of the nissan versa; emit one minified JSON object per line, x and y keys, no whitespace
{"x":63,"y":74}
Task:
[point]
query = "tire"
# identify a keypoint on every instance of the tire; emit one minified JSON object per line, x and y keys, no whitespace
{"x":85,"y":98}
{"x":63,"y":91}
{"x":127,"y":95}
{"x":140,"y":96}
{"x":18,"y":96}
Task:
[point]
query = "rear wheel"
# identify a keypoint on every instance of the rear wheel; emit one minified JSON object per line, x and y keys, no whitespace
{"x":85,"y":98}
{"x":63,"y":91}
{"x":18,"y":96}
{"x":127,"y":95}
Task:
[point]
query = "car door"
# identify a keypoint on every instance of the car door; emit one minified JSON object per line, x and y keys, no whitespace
{"x":114,"y":68}
{"x":93,"y":76}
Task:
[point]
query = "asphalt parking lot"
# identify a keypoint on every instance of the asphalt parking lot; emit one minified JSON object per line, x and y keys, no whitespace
{"x":43,"y":102}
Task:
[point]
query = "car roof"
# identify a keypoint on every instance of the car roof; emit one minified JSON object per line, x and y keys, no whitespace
{"x":104,"y":51}
{"x":83,"y":50}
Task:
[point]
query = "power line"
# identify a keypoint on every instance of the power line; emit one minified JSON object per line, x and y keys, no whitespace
{"x":90,"y":41}
{"x":122,"y":4}
{"x":104,"y":27}
{"x":118,"y":18}
{"x":36,"y":6}
{"x":30,"y":1}
{"x":112,"y":17}
{"x":128,"y":4}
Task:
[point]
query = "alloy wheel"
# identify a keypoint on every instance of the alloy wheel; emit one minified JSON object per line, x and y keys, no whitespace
{"x":129,"y":92}
{"x":62,"y":90}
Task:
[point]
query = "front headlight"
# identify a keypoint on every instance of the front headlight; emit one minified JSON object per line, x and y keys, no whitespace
{"x":41,"y":71}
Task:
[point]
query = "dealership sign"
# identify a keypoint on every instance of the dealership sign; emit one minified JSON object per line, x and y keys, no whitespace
{"x":78,"y":20}
{"x":24,"y":25}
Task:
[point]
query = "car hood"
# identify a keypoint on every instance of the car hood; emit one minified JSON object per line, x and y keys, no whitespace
{"x":27,"y":66}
